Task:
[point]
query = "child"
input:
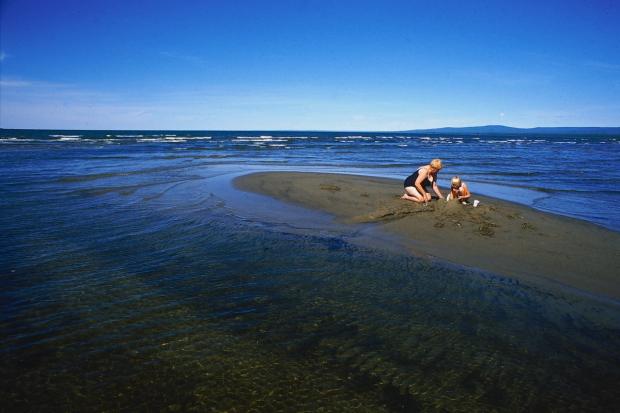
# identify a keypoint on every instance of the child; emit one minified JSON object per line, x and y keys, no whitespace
{"x":458,"y":191}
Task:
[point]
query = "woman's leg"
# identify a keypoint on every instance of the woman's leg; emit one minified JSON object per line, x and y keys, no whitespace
{"x":412,"y":194}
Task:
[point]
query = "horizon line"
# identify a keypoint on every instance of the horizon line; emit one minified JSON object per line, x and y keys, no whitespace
{"x":328,"y":130}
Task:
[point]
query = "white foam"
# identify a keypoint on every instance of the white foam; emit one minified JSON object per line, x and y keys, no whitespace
{"x":66,"y":137}
{"x":258,"y":139}
{"x":365,"y":138}
{"x":12,"y":139}
{"x":151,"y":140}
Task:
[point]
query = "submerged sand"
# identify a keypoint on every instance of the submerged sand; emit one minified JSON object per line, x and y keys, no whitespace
{"x":498,"y":236}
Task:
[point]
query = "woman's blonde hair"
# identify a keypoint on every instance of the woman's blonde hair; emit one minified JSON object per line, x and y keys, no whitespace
{"x":436,"y":163}
{"x":456,"y":181}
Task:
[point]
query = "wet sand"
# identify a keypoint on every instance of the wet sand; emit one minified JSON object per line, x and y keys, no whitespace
{"x":505,"y":238}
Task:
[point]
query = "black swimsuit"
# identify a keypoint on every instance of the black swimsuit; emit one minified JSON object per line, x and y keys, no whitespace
{"x":410,"y":180}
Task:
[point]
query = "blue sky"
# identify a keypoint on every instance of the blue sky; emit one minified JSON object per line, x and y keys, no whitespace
{"x":308,"y":65}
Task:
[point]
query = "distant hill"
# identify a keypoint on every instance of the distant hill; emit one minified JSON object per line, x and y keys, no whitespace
{"x":501,"y":129}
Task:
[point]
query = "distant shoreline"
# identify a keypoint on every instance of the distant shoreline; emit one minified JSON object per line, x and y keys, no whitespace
{"x":468,"y":130}
{"x":508,"y":130}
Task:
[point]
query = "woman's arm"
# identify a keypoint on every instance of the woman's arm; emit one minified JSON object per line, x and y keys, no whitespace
{"x":436,"y":188}
{"x":422,"y":174}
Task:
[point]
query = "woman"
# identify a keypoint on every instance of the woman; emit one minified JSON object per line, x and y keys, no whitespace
{"x":416,"y":184}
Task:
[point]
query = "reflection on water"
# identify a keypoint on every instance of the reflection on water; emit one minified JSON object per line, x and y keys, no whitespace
{"x":162,"y":298}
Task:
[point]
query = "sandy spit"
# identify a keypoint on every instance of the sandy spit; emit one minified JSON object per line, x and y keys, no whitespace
{"x":498,"y":236}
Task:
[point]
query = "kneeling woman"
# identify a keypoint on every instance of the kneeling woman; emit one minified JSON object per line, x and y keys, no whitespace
{"x":416,"y":184}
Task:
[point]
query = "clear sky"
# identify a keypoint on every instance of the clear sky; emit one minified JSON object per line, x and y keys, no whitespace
{"x":308,"y":65}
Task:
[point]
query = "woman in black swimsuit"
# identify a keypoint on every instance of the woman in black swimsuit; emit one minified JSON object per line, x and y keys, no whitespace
{"x":417,"y":184}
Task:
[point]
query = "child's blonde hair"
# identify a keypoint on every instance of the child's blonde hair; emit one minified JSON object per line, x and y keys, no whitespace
{"x":456,"y":181}
{"x":436,"y":163}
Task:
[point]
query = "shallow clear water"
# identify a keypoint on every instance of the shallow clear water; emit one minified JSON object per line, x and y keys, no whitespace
{"x":135,"y":278}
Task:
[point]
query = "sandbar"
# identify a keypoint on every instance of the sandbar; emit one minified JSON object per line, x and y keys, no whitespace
{"x":501,"y":237}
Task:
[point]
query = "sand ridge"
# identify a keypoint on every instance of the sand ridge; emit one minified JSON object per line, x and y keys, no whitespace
{"x":498,"y":236}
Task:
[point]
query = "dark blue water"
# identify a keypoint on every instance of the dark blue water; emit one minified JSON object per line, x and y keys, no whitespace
{"x":134,"y":277}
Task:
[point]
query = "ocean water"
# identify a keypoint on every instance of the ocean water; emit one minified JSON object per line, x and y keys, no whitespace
{"x":575,"y":176}
{"x":135,"y":277}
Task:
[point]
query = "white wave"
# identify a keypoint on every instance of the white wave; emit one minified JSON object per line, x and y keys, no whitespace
{"x":12,"y":139}
{"x":128,"y":136}
{"x":513,"y":141}
{"x":65,"y":136}
{"x":190,"y":138}
{"x":161,"y":140}
{"x":258,"y":139}
{"x":354,"y":137}
{"x":69,"y":138}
